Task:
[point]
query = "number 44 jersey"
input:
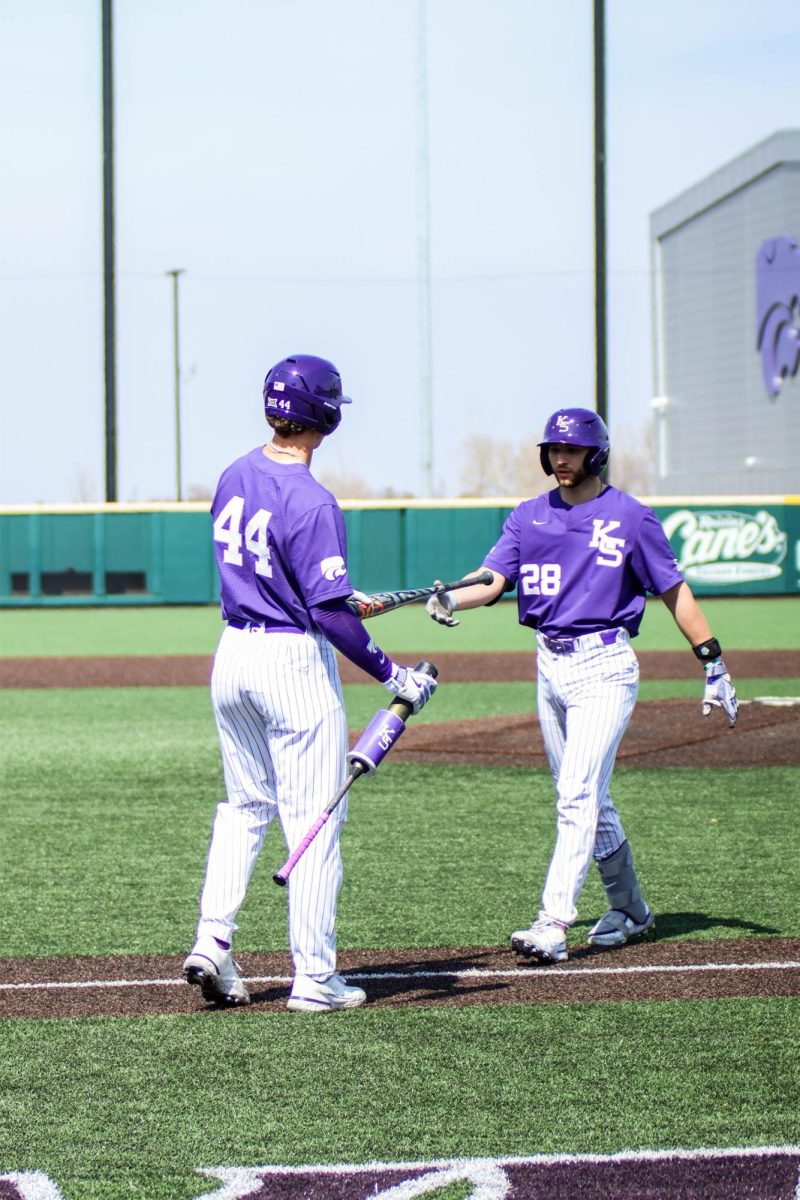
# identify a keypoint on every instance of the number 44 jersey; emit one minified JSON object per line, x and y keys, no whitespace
{"x":584,"y":567}
{"x":280,"y":543}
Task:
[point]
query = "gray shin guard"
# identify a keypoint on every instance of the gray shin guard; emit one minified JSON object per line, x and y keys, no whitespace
{"x":621,"y":885}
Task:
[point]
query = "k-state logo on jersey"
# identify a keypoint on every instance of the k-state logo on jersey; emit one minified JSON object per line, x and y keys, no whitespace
{"x":333,"y":567}
{"x":610,"y":547}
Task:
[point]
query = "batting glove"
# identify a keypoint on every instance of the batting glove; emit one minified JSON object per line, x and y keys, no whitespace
{"x":441,"y":607}
{"x":415,"y":687}
{"x":719,"y":691}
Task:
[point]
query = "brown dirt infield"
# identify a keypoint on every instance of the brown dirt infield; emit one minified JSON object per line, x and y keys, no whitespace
{"x":661,"y":733}
{"x":451,"y":977}
{"x":189,"y":670}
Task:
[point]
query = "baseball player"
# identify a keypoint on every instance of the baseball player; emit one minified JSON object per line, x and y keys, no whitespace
{"x":279,"y":540}
{"x":583,"y":556}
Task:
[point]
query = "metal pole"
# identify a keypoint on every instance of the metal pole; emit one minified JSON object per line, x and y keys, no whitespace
{"x":424,"y":201}
{"x":109,"y":283}
{"x":600,"y":270}
{"x":176,"y":364}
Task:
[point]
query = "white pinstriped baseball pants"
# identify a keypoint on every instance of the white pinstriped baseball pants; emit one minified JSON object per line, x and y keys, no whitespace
{"x":282,"y":727}
{"x":585,"y":701}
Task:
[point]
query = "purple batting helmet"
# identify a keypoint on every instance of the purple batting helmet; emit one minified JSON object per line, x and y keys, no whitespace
{"x":577,"y":427}
{"x":305,"y":389}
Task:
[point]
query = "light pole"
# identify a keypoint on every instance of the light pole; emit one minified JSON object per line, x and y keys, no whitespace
{"x":424,"y":244}
{"x":109,"y":274}
{"x":600,"y":256}
{"x":176,"y":273}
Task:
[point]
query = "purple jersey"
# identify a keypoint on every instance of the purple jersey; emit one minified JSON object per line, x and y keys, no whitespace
{"x":584,"y":567}
{"x":280,"y":543}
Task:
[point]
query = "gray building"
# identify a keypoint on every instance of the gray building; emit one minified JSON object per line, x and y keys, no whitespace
{"x":726,"y":328}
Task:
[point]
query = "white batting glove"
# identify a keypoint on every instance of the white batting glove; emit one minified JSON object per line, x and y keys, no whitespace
{"x":442,"y":606}
{"x":415,"y":687}
{"x":719,"y":691}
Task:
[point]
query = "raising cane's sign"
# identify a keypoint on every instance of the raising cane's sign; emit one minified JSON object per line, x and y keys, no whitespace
{"x":726,"y":546}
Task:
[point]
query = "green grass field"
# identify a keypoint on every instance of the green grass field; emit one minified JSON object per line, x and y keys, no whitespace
{"x":107,"y":797}
{"x":141,"y":1103}
{"x":133,"y":809}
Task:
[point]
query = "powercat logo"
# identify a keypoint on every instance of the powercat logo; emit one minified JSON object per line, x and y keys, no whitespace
{"x":332,"y":568}
{"x":723,"y":546}
{"x":778,"y":310}
{"x":769,"y":1172}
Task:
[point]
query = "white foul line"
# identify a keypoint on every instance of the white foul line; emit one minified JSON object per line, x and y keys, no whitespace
{"x":467,"y":973}
{"x":544,"y":972}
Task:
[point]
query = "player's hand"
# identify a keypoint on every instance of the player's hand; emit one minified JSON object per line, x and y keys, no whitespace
{"x":415,"y":687}
{"x":719,"y":691}
{"x":441,"y":607}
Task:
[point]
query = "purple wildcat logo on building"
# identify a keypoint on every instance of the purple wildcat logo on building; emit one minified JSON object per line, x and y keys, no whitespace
{"x":778,"y":310}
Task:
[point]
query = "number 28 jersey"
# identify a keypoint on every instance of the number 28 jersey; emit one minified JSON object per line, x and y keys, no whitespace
{"x":585,"y":567}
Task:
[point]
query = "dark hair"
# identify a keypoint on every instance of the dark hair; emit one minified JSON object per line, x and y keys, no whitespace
{"x":285,"y":428}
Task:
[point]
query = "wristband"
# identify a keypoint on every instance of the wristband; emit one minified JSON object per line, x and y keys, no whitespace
{"x":707,"y":650}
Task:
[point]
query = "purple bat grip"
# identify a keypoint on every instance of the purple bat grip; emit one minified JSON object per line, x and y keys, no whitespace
{"x":377,"y":740}
{"x":281,"y":877}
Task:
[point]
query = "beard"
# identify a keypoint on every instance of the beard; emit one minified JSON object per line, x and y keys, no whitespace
{"x":574,"y":479}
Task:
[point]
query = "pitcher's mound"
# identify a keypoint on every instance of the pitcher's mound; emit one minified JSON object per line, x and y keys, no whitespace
{"x":662,"y":733}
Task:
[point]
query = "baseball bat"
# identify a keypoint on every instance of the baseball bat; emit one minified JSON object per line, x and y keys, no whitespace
{"x":382,"y":602}
{"x":401,"y":710}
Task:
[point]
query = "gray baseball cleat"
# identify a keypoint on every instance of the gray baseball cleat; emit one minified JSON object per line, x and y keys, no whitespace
{"x":616,"y":928}
{"x":213,"y":970}
{"x":328,"y":995}
{"x":546,"y":941}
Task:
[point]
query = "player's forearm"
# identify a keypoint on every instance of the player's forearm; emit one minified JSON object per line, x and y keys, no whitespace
{"x":479,"y":594}
{"x":344,"y":631}
{"x":687,"y":614}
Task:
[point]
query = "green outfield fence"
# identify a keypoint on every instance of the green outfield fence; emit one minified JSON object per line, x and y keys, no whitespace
{"x":125,"y":554}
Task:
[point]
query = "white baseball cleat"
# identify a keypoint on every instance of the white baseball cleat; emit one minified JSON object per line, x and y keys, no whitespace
{"x":328,"y":995}
{"x":616,"y":928}
{"x":213,"y":970}
{"x":546,"y":941}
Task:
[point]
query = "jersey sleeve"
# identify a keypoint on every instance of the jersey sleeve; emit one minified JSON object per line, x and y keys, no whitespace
{"x":346,"y":632}
{"x":504,"y":554}
{"x":318,"y":555}
{"x":653,"y":560}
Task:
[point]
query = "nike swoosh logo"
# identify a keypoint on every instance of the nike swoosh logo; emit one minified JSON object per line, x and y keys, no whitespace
{"x":538,"y":522}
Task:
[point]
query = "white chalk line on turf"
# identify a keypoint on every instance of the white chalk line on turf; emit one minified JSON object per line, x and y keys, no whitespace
{"x":466,"y":973}
{"x":679,"y":1153}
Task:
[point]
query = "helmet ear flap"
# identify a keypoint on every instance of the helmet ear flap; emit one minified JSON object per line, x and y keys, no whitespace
{"x":596,"y":460}
{"x":331,"y":419}
{"x":544,"y":458}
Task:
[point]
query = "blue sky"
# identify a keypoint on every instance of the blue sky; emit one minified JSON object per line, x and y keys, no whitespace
{"x":269,"y":148}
